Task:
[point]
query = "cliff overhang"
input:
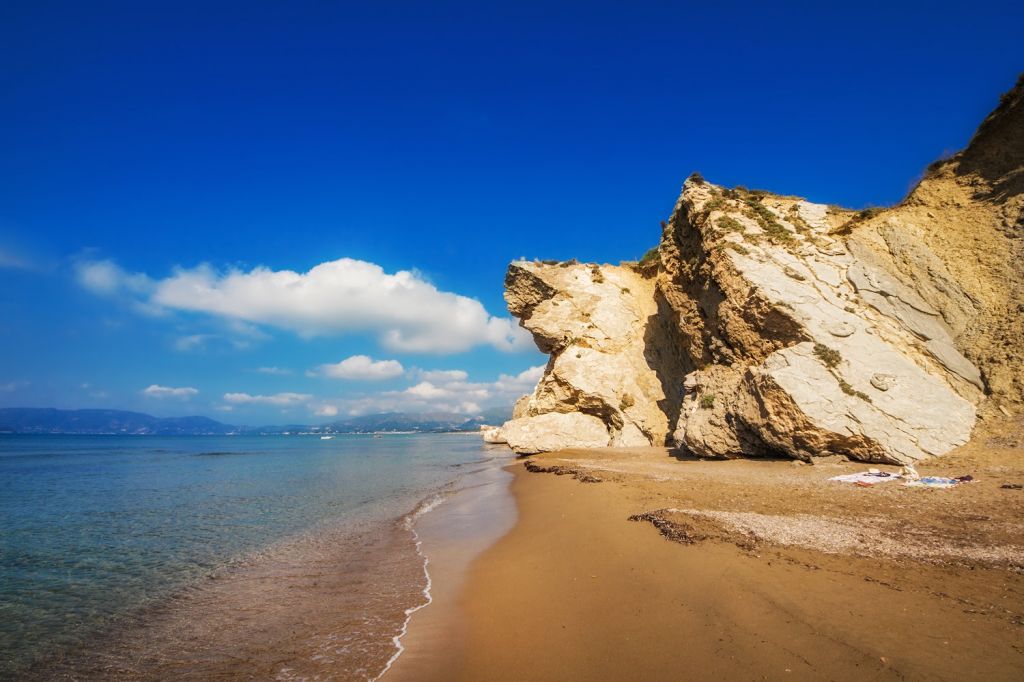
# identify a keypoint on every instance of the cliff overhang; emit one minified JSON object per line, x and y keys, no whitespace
{"x":768,"y":325}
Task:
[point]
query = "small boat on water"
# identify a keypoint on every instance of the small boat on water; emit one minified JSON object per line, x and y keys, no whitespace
{"x":326,"y":437}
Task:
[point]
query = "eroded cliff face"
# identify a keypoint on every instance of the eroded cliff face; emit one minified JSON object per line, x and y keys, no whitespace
{"x":610,"y":353}
{"x":770,"y":326}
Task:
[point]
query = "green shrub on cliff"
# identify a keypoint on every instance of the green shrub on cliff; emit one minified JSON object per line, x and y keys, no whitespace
{"x":768,"y":222}
{"x":729,"y":224}
{"x":829,"y":356}
{"x":651,"y":256}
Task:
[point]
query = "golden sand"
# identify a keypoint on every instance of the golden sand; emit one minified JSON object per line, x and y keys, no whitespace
{"x":578,"y":591}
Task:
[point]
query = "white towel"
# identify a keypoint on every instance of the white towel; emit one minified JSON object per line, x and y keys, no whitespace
{"x":865,"y":477}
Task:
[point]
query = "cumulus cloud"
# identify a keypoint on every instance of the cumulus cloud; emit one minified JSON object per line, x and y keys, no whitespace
{"x":426,"y":390}
{"x":362,"y":368}
{"x":523,"y":382}
{"x":447,"y":392}
{"x":191,"y":342}
{"x":105,"y":277}
{"x":406,"y":312}
{"x":157,"y":391}
{"x":278,"y":399}
{"x":436,"y":375}
{"x":274,"y":371}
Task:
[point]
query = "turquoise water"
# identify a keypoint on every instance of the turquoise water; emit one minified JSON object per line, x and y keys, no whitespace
{"x":95,"y":528}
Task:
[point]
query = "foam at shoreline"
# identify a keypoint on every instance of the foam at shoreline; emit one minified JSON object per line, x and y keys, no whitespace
{"x":333,"y":599}
{"x":425,"y":507}
{"x":603,"y":597}
{"x":470,"y":520}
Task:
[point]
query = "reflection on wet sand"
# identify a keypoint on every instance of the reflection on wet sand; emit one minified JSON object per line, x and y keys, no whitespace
{"x":325,"y":606}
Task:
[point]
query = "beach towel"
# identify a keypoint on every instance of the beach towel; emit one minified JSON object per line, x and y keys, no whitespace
{"x":866,"y":478}
{"x":935,"y":482}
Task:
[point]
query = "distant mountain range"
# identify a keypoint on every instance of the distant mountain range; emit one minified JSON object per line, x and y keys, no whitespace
{"x":49,"y":420}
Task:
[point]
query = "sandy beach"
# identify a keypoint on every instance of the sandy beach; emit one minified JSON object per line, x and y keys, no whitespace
{"x":765,"y":570}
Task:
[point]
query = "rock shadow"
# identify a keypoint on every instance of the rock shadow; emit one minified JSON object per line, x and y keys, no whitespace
{"x":663,"y":352}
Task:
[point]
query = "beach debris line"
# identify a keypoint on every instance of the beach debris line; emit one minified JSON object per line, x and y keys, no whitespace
{"x":861,"y":536}
{"x":558,"y":470}
{"x":670,"y":530}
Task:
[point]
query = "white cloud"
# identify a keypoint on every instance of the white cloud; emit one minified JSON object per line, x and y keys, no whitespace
{"x":406,"y":312}
{"x":247,"y":330}
{"x":275,"y":371}
{"x":363,"y":368}
{"x":279,"y":399}
{"x":157,"y":391}
{"x":437,"y":375}
{"x":106,"y":277}
{"x":191,"y":342}
{"x":427,"y":390}
{"x":524,"y":382}
{"x":11,"y":386}
{"x":448,"y":392}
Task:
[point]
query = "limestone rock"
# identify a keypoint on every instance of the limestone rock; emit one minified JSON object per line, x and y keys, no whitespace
{"x":493,"y":434}
{"x":773,"y":326}
{"x":802,"y":350}
{"x":841,"y":329}
{"x":957,"y":241}
{"x":601,"y":326}
{"x":704,"y":427}
{"x":554,"y":431}
{"x":882,"y":381}
{"x":522,"y":406}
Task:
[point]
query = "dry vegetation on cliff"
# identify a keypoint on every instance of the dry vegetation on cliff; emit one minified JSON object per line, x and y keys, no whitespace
{"x":877,"y":335}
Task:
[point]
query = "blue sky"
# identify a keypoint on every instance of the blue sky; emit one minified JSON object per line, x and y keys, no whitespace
{"x":215,"y":201}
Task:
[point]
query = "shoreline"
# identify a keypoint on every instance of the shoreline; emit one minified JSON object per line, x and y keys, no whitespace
{"x":329,"y":600}
{"x":455,"y":535}
{"x":583,"y":588}
{"x":409,"y":522}
{"x":450,"y":532}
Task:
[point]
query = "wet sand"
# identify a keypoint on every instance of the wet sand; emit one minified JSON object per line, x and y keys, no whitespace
{"x":323,"y":606}
{"x":930,"y":588}
{"x":452,"y":537}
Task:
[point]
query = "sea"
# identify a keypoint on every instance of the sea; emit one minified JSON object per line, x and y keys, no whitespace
{"x":196,"y":557}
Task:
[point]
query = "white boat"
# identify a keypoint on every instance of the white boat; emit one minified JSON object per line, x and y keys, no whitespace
{"x":326,"y":437}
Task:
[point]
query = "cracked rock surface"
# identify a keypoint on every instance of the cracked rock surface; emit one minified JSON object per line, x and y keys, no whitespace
{"x":773,"y":326}
{"x":599,"y":324}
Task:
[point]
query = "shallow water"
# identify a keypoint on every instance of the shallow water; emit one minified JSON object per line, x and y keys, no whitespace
{"x":268,"y":556}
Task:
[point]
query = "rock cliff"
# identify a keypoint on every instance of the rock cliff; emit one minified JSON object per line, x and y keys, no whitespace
{"x":766,"y":325}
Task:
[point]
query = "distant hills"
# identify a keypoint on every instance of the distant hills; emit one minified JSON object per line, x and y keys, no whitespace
{"x":49,"y":420}
{"x":398,"y":421}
